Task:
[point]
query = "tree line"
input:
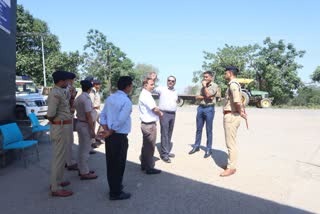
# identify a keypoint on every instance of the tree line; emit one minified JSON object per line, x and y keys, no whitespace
{"x":273,"y":64}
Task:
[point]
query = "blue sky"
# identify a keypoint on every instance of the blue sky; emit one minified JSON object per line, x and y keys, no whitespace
{"x":172,"y":35}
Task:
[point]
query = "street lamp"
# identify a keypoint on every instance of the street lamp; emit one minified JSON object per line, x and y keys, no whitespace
{"x":42,"y":50}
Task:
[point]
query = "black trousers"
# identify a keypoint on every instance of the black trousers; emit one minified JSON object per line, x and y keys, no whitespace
{"x":116,"y":158}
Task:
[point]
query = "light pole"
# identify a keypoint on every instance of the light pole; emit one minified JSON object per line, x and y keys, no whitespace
{"x":43,"y":63}
{"x":42,"y":50}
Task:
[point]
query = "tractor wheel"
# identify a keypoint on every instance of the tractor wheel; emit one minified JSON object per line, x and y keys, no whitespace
{"x":180,"y":102}
{"x":265,"y":103}
{"x":245,"y":98}
{"x":258,"y":104}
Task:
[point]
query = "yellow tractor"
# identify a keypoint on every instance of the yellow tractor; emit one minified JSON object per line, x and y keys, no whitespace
{"x":259,"y":98}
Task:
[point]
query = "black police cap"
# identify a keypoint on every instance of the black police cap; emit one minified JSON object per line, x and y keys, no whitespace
{"x":96,"y":82}
{"x":60,"y":75}
{"x":233,"y":69}
{"x":86,"y":84}
{"x":89,"y":78}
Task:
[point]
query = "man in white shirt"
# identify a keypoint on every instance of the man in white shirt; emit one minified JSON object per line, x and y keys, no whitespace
{"x":115,"y":119}
{"x":149,"y":115}
{"x":168,"y":97}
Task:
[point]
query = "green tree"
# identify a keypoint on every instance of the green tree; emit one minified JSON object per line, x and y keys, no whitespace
{"x":316,"y":75}
{"x":29,"y":52}
{"x":277,"y":69}
{"x":242,"y":57}
{"x":104,"y":60}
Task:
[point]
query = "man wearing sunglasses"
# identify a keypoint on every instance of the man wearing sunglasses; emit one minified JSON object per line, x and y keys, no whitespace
{"x":168,"y":97}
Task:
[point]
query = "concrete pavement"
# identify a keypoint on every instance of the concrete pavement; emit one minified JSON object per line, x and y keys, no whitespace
{"x":279,"y":172}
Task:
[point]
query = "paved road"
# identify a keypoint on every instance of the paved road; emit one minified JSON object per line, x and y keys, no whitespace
{"x":279,"y":172}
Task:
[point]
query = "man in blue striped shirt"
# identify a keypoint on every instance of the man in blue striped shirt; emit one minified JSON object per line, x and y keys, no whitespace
{"x":116,"y":121}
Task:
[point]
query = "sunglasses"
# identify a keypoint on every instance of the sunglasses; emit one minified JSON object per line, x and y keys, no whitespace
{"x":171,"y":80}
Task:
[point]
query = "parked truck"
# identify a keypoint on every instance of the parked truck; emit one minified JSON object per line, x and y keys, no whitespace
{"x":28,"y":99}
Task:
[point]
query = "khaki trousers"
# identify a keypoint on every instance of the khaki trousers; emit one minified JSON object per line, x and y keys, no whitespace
{"x":231,"y":123}
{"x":69,"y":158}
{"x":149,"y":132}
{"x":84,"y":146}
{"x":60,"y":137}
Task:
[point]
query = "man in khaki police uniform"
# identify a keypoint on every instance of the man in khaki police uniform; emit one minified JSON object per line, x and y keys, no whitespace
{"x":232,"y":111}
{"x":61,"y":122}
{"x":71,"y":95}
{"x":85,"y":129}
{"x":96,"y":102}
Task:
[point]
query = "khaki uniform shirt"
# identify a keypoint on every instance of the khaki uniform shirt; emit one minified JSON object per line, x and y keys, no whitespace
{"x":58,"y":104}
{"x":95,"y":98}
{"x":213,"y":88}
{"x":233,"y":96}
{"x":83,"y":105}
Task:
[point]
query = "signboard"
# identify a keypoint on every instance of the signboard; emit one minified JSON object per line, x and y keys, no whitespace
{"x":5,"y":7}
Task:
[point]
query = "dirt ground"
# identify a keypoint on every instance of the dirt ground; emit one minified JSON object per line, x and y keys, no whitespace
{"x":278,"y":172}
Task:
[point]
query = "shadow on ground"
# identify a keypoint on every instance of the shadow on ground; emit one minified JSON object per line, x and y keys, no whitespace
{"x":25,"y":190}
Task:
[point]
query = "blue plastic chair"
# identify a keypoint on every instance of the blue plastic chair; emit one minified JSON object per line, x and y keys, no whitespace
{"x":36,"y":127}
{"x":12,"y":139}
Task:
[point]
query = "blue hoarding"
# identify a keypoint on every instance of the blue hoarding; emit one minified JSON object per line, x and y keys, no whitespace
{"x":5,"y":7}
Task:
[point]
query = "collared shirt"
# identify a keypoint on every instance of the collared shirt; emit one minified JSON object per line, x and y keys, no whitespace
{"x":167,"y":98}
{"x":116,"y":112}
{"x":213,"y":88}
{"x":233,"y":96}
{"x":146,"y":104}
{"x":95,"y":98}
{"x":83,"y":105}
{"x":58,"y":104}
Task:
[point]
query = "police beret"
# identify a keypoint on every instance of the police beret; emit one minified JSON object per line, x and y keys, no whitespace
{"x":233,"y":69}
{"x":96,"y":82}
{"x":89,"y":78}
{"x":60,"y":75}
{"x":86,"y":84}
{"x":71,"y":75}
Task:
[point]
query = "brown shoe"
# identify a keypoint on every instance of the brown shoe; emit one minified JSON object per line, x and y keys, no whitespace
{"x":91,"y":172}
{"x":88,"y":176}
{"x":228,"y":172}
{"x":62,"y":193}
{"x":65,"y":183}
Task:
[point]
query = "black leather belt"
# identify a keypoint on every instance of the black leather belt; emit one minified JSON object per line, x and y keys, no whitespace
{"x":148,"y":123}
{"x":206,"y":106}
{"x":168,"y":112}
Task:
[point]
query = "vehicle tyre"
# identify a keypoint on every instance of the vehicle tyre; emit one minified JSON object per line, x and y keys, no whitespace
{"x":180,"y":102}
{"x":244,"y":98}
{"x":265,"y":103}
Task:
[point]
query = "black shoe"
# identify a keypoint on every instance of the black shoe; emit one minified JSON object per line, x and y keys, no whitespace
{"x":94,"y":145}
{"x":171,"y":155}
{"x":194,"y":150}
{"x":92,"y":152}
{"x":122,"y":196}
{"x":98,"y":142}
{"x":142,"y":168}
{"x":207,"y":154}
{"x":166,"y":159}
{"x":152,"y":171}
